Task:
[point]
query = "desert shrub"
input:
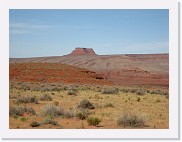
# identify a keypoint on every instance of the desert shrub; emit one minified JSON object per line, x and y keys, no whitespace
{"x":27,"y":99}
{"x":65,"y":88}
{"x":68,"y":114}
{"x":24,"y":87}
{"x":18,"y":111}
{"x":52,"y":110}
{"x":45,"y":97}
{"x":57,"y":89}
{"x":72,"y":92}
{"x":133,"y":90}
{"x":167,"y":95}
{"x":35,"y":89}
{"x":52,"y":93}
{"x":110,"y":91}
{"x":35,"y":124}
{"x":131,"y":121}
{"x":158,"y":100}
{"x":138,"y":99}
{"x":93,"y":121}
{"x":155,"y":92}
{"x":82,"y":114}
{"x":55,"y":103}
{"x":50,"y":120}
{"x":109,"y":105}
{"x":125,"y":90}
{"x":23,"y":119}
{"x":86,"y":104}
{"x":140,"y":92}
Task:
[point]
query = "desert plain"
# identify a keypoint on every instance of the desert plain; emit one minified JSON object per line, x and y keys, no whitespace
{"x":83,"y":90}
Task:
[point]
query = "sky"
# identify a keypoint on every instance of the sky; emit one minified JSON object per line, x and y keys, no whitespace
{"x":38,"y":33}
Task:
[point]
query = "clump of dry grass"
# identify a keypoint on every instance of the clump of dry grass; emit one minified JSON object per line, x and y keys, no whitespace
{"x":93,"y":121}
{"x":131,"y":120}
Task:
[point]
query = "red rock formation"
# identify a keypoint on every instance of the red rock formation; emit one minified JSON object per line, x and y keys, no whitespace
{"x":83,"y":51}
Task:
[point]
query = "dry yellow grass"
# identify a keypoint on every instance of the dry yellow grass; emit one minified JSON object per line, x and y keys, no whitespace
{"x":154,"y":108}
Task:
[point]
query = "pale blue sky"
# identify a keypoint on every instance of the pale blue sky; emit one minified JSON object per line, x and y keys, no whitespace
{"x":36,"y":33}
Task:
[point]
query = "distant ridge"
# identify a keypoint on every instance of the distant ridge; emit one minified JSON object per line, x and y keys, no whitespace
{"x":83,"y":51}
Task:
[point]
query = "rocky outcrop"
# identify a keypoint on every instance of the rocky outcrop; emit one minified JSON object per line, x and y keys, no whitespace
{"x":83,"y":51}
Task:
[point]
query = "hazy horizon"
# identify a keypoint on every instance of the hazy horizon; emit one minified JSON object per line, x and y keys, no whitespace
{"x":42,"y":33}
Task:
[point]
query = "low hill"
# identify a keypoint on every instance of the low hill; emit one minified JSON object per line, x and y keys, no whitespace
{"x":129,"y":69}
{"x":54,"y":72}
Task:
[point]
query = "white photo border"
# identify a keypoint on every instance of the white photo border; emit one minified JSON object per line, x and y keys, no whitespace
{"x":171,"y":133}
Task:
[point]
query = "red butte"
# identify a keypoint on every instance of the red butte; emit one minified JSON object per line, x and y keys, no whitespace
{"x":83,"y":51}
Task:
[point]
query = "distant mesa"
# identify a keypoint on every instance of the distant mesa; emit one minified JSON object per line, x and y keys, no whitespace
{"x":83,"y":51}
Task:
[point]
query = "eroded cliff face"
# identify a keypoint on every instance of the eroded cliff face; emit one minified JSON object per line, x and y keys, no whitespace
{"x":83,"y":51}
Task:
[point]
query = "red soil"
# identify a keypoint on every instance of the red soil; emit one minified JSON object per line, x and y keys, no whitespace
{"x":54,"y":72}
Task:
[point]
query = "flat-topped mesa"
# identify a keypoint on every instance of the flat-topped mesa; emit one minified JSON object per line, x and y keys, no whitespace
{"x":83,"y":51}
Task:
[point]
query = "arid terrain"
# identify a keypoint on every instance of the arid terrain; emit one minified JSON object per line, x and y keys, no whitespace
{"x":85,"y":90}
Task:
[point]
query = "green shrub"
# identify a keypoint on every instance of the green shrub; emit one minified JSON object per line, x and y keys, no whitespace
{"x":18,"y":111}
{"x":86,"y":104}
{"x":131,"y":121}
{"x":51,"y":110}
{"x":81,"y":115}
{"x":23,"y":119}
{"x":45,"y":97}
{"x":35,"y":124}
{"x":93,"y":121}
{"x":27,"y":99}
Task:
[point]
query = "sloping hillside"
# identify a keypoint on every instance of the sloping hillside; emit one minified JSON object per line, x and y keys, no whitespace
{"x":54,"y":72}
{"x":130,"y":69}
